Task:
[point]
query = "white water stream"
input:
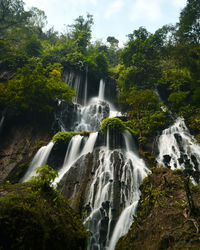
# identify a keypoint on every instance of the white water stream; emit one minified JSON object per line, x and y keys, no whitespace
{"x":177,"y":142}
{"x":39,"y":159}
{"x":74,"y":152}
{"x":132,"y":171}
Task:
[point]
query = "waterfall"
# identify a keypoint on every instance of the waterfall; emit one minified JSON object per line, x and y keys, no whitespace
{"x":123,"y":224}
{"x":114,"y":193}
{"x":101,"y":90}
{"x":91,"y":115}
{"x":74,"y":152}
{"x":108,"y":139}
{"x":39,"y":159}
{"x":178,"y":150}
{"x":71,"y":156}
{"x":89,"y":145}
{"x":107,"y":199}
{"x":85,"y":88}
{"x":1,"y":122}
{"x":76,"y":87}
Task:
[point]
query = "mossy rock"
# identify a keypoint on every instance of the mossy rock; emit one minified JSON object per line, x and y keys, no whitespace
{"x":62,"y":139}
{"x":115,"y":125}
{"x":165,"y":219}
{"x":31,"y":218}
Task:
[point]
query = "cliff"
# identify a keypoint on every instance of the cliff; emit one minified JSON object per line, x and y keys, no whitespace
{"x":168,"y":215}
{"x":18,"y":143}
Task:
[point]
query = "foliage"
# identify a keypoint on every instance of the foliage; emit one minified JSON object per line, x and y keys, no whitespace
{"x":140,"y":57}
{"x":46,"y":175}
{"x":115,"y":125}
{"x":146,"y":115}
{"x":189,"y":30}
{"x":61,"y":139}
{"x":12,"y":14}
{"x":81,"y":32}
{"x":34,"y":217}
{"x":35,"y":88}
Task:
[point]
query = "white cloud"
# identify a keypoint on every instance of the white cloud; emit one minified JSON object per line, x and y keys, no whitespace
{"x":179,"y":4}
{"x":114,"y":8}
{"x":146,"y":10}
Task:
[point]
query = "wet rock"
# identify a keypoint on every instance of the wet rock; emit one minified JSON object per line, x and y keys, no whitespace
{"x":196,"y":176}
{"x":181,"y":160}
{"x":65,"y":116}
{"x":106,"y":204}
{"x":188,"y":172}
{"x":178,"y":138}
{"x":166,"y":159}
{"x":194,"y":159}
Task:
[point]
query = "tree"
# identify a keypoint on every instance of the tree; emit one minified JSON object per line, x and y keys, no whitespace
{"x":12,"y":14}
{"x":34,"y":89}
{"x":113,"y":41}
{"x":189,"y":23}
{"x":81,"y":32}
{"x":145,"y":114}
{"x":141,"y":58}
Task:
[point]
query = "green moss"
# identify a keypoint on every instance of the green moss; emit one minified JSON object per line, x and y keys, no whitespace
{"x":34,"y":217}
{"x":115,"y":125}
{"x":61,"y":139}
{"x":38,"y":145}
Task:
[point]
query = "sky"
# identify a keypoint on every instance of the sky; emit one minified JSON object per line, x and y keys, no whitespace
{"x":116,"y":18}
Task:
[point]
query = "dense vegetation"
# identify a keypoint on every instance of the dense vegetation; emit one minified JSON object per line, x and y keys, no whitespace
{"x":33,"y":215}
{"x":32,"y":69}
{"x":168,"y":61}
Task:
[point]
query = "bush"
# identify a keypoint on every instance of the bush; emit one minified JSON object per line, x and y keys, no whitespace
{"x":34,"y":217}
{"x":115,"y":125}
{"x":61,"y":139}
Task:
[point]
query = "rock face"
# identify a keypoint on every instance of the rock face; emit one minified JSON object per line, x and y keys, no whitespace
{"x":168,"y":215}
{"x":76,"y":187}
{"x":17,"y":147}
{"x":63,"y":112}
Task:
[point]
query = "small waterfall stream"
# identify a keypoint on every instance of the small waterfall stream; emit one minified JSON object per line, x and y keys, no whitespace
{"x":178,"y":150}
{"x":39,"y":159}
{"x":1,"y":122}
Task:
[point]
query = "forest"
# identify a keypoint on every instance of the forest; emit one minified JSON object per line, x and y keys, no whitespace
{"x":156,"y":79}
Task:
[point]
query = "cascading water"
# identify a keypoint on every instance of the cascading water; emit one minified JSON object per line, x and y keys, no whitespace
{"x":114,"y":192}
{"x":178,"y":150}
{"x":74,"y":152}
{"x":101,"y":90}
{"x":115,"y":188}
{"x":1,"y":122}
{"x":90,"y":116}
{"x":85,"y":88}
{"x":39,"y":159}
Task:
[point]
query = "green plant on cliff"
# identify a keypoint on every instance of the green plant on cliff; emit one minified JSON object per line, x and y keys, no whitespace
{"x":34,"y":217}
{"x":61,"y":139}
{"x":116,"y":125}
